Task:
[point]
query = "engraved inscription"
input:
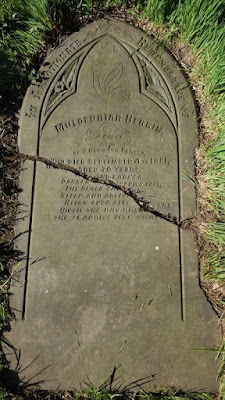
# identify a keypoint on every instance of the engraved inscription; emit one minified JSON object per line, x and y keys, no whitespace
{"x":127,"y":118}
{"x":108,"y":134}
{"x":49,"y":69}
{"x":113,"y":104}
{"x":82,"y":201}
{"x":32,"y":112}
{"x":157,"y":52}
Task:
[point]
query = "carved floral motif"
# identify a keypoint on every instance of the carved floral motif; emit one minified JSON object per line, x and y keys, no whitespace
{"x":106,"y":50}
{"x":154,"y":84}
{"x":64,"y":84}
{"x":110,"y":87}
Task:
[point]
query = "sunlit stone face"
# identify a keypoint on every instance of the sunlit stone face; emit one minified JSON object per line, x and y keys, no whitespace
{"x":106,"y":284}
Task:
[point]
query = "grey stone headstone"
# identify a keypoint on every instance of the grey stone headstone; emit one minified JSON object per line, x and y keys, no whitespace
{"x":105,"y":284}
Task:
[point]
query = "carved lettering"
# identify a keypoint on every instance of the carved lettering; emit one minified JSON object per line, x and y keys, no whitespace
{"x":112,"y":250}
{"x":128,"y":118}
{"x":32,"y":112}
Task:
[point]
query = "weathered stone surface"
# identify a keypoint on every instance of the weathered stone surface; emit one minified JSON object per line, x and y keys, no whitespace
{"x":106,"y":284}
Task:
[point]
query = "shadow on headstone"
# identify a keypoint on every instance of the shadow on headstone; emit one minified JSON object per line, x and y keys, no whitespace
{"x":113,"y":386}
{"x":13,"y":380}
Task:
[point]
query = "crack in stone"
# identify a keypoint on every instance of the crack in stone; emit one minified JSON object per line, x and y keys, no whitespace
{"x":143,"y":204}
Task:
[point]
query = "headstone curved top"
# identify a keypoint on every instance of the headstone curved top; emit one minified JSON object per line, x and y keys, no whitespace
{"x":105,"y":284}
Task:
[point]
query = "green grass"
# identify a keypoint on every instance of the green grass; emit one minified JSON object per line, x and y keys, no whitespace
{"x":26,"y":26}
{"x":103,"y":393}
{"x":23,"y":25}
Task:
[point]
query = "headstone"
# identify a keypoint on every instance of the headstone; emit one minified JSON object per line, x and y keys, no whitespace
{"x":105,"y":284}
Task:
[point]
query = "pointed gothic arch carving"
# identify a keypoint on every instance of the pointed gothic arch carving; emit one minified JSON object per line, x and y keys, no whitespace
{"x":152,"y":83}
